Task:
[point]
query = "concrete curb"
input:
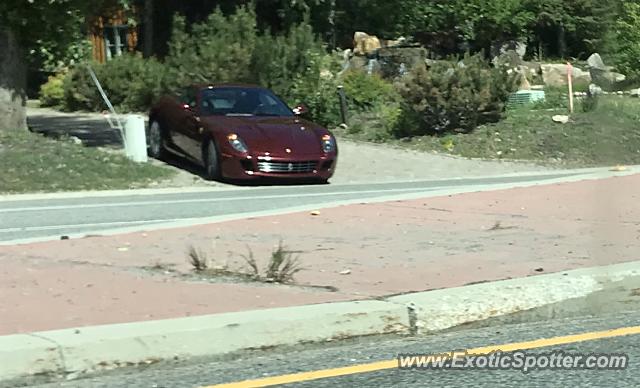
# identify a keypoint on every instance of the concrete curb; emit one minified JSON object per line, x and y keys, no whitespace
{"x":88,"y":349}
{"x":91,"y":349}
{"x":442,"y":309}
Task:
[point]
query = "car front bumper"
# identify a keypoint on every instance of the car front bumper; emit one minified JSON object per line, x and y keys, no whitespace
{"x":291,"y":167}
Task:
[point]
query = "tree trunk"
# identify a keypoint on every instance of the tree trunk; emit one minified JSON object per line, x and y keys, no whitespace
{"x":562,"y":42}
{"x":147,"y":46}
{"x":13,"y":82}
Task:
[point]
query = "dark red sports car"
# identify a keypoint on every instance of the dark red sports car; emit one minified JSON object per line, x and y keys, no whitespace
{"x":241,"y":132}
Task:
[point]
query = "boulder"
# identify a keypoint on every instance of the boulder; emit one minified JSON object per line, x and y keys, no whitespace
{"x":634,"y":92}
{"x":357,"y":63}
{"x":608,"y":80}
{"x":365,"y":44}
{"x":514,"y":46}
{"x":555,"y":74}
{"x":394,"y":43}
{"x":595,"y":90}
{"x":524,"y":83}
{"x":595,"y":62}
{"x":509,"y":58}
{"x":603,"y":75}
{"x":393,"y":59}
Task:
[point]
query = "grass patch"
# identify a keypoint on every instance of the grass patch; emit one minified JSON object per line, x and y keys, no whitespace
{"x":33,"y":163}
{"x":607,"y":135}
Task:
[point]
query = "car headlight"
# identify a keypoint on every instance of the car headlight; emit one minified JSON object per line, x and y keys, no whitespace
{"x":237,"y":143}
{"x":328,"y":143}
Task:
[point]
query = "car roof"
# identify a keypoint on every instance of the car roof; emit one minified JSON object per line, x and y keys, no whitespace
{"x":226,"y":85}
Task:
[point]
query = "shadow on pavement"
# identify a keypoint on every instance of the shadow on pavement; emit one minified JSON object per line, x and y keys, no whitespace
{"x":93,"y":132}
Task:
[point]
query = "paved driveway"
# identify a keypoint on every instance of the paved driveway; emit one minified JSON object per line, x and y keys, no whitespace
{"x":358,"y":162}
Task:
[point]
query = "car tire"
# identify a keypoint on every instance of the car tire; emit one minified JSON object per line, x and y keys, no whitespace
{"x":157,"y":148}
{"x":211,"y":161}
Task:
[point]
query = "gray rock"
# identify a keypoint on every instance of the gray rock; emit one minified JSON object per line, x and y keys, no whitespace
{"x":607,"y":80}
{"x":634,"y":92}
{"x":603,"y":75}
{"x":517,"y":47}
{"x":595,"y":62}
{"x":562,"y":119}
{"x":509,"y":58}
{"x":595,"y":89}
{"x":555,"y":74}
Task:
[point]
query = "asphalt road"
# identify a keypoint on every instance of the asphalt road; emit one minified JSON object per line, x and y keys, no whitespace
{"x":354,"y":353}
{"x":44,"y":218}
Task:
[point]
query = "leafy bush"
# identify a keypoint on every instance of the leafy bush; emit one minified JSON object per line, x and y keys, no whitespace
{"x":317,"y":89}
{"x":374,"y":106}
{"x":279,"y":60}
{"x":52,"y":92}
{"x":456,"y":95}
{"x":590,"y":103}
{"x":378,"y":124}
{"x":219,"y":49}
{"x":555,"y":97}
{"x":131,"y":83}
{"x":626,"y":50}
{"x":365,"y":91}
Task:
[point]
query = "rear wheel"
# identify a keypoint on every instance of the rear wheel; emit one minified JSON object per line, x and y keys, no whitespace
{"x":211,"y":161}
{"x":156,"y":141}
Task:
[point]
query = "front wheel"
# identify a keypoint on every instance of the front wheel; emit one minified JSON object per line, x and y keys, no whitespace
{"x":156,"y":141}
{"x":211,"y":161}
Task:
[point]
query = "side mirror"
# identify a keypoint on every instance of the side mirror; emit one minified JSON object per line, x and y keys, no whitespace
{"x":300,"y":110}
{"x":188,"y":108}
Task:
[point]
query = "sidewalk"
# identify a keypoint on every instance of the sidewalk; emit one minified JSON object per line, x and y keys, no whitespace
{"x":361,"y":251}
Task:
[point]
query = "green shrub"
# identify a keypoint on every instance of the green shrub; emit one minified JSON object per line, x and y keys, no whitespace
{"x":52,"y":92}
{"x":131,"y":83}
{"x":278,"y":61}
{"x":365,"y":91}
{"x":318,"y":90}
{"x":373,"y":104}
{"x":456,"y":95}
{"x":80,"y":92}
{"x":219,"y":49}
{"x":555,"y":97}
{"x":626,"y":43}
{"x":589,"y":103}
{"x":378,"y":124}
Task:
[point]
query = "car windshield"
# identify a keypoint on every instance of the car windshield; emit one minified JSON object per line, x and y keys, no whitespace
{"x":242,"y":102}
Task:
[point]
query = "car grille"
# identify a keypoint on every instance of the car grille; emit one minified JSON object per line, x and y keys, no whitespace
{"x":287,"y":167}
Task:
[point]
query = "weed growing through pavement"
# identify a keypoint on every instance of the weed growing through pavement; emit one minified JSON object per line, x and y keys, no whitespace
{"x":281,"y":268}
{"x":498,"y":226}
{"x":198,"y":259}
{"x":282,"y":265}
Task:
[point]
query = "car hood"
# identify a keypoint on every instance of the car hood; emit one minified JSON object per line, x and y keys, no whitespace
{"x":272,"y":134}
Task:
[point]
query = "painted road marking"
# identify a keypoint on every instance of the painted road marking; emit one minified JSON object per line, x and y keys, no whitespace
{"x":197,"y":200}
{"x":73,"y":226}
{"x":390,"y":364}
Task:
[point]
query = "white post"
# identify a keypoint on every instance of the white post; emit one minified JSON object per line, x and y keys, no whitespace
{"x":135,"y":139}
{"x":570,"y":83}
